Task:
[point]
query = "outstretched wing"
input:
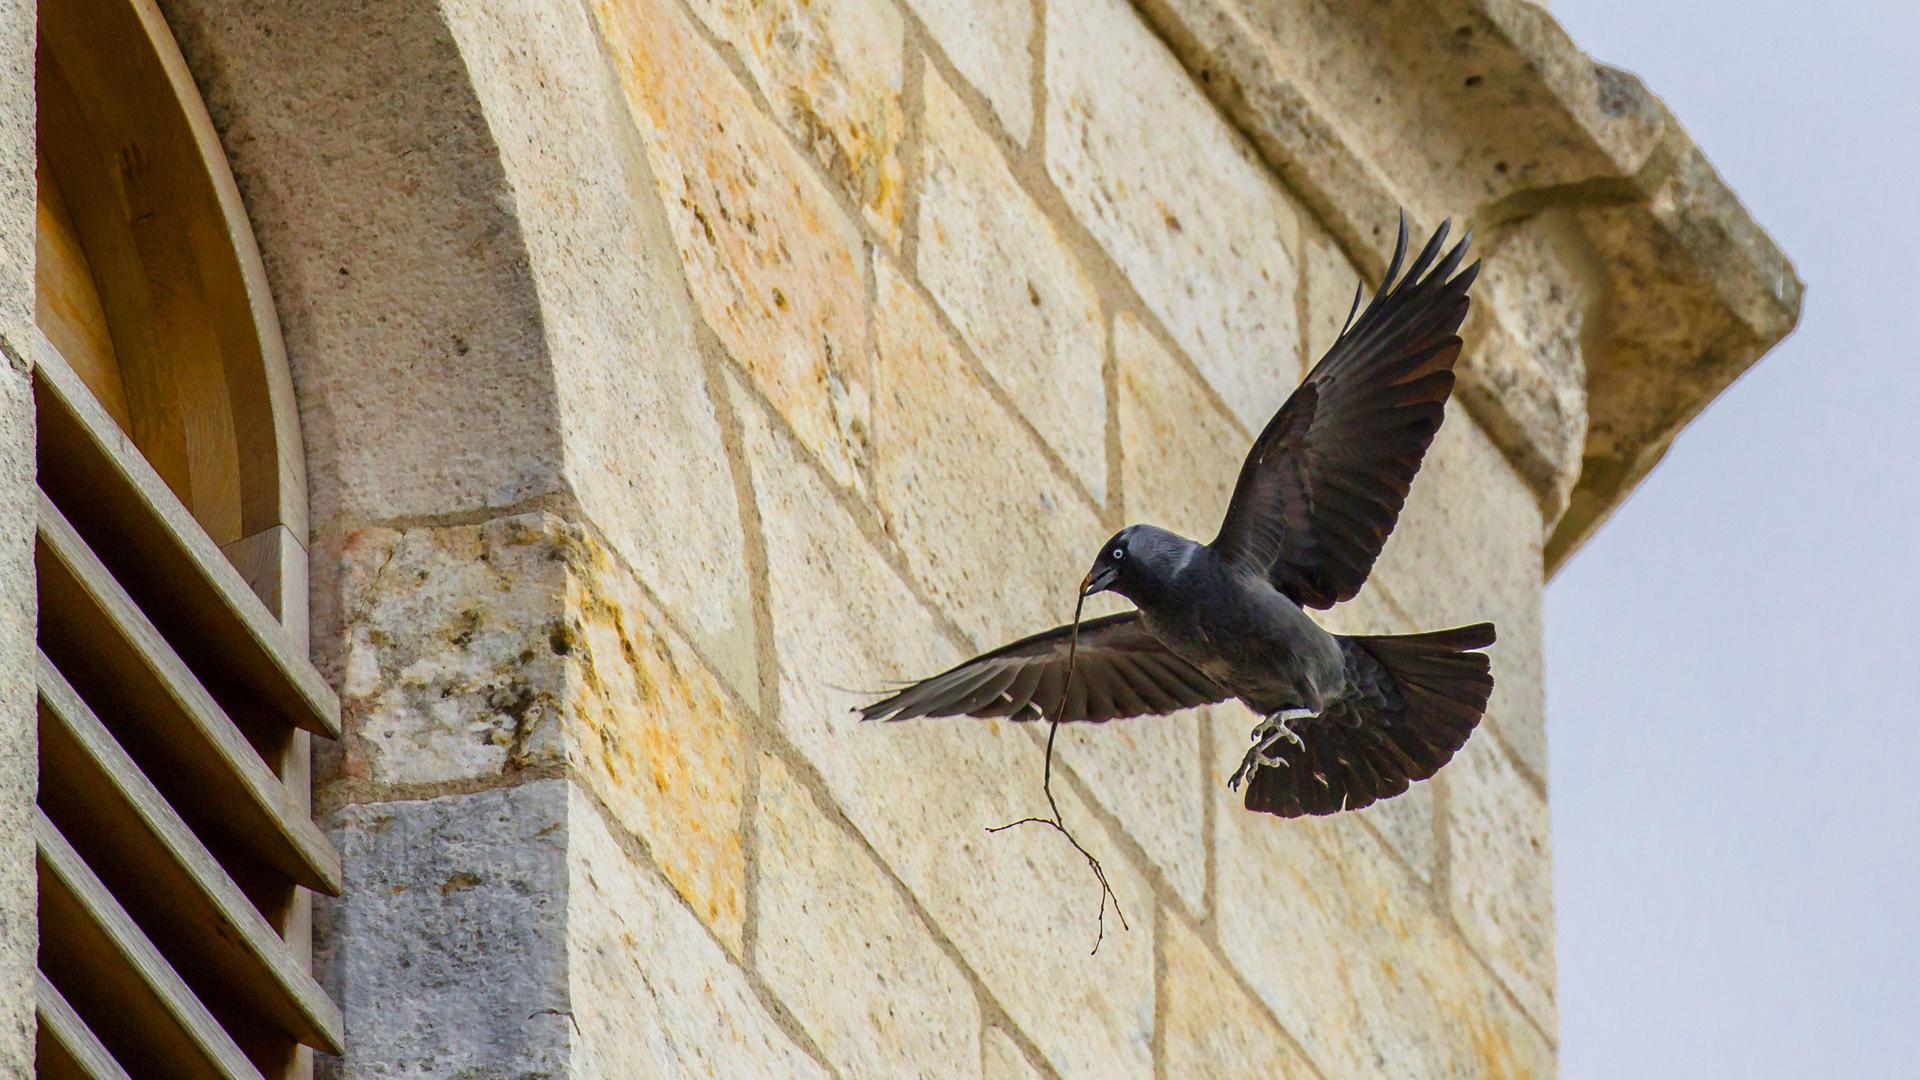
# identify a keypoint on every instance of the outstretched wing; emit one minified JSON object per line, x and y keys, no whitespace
{"x":1121,"y":670}
{"x":1324,"y":483}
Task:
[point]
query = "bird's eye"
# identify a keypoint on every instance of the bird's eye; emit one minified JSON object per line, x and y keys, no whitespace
{"x":1119,"y":553}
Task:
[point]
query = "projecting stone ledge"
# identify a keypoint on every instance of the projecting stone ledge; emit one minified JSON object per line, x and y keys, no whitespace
{"x":1625,"y":285}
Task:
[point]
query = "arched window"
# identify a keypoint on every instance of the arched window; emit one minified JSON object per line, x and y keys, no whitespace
{"x":176,"y":847}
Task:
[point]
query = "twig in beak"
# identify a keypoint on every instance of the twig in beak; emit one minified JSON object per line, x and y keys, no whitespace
{"x":1046,"y":783}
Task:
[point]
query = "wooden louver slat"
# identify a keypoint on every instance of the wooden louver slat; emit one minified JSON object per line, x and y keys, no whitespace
{"x":66,"y":1048}
{"x":145,"y":853}
{"x":163,"y":558}
{"x":117,"y":981}
{"x":161,"y":714}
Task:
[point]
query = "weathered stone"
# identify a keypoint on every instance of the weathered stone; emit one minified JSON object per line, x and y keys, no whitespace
{"x":1163,"y":183}
{"x":1347,"y":950}
{"x":1020,"y":906}
{"x":1212,"y":1026}
{"x":508,"y":933}
{"x":1527,"y":415}
{"x":19,"y":723}
{"x":987,"y":42}
{"x":618,"y":322}
{"x":1500,"y":873}
{"x":446,"y":672}
{"x":477,"y":651}
{"x":652,"y":994}
{"x":399,"y":270}
{"x":450,"y":931}
{"x":997,"y":266}
{"x":18,"y":187}
{"x":833,"y":74}
{"x":1179,"y":454}
{"x":773,"y":264}
{"x":1528,"y":375}
{"x":1467,"y":549}
{"x":848,"y":956}
{"x":988,"y":526}
{"x":650,"y":732}
{"x":1001,"y":1059}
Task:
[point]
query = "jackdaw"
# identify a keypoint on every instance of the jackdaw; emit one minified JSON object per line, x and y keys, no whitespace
{"x":1349,"y":720}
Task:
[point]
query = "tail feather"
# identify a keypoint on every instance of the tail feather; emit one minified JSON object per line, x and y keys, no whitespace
{"x":1416,"y":700}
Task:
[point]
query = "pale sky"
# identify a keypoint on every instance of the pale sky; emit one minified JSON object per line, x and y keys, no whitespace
{"x":1733,"y":663}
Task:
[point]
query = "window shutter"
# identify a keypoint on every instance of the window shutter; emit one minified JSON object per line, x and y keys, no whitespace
{"x":167,"y":842}
{"x":176,"y":846}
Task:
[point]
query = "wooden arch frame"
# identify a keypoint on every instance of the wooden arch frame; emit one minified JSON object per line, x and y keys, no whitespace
{"x":136,"y":184}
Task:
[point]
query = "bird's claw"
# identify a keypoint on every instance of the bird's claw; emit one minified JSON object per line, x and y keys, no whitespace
{"x":1265,"y":736}
{"x":1233,"y":782}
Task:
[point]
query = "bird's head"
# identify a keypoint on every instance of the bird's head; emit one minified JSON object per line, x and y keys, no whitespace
{"x":1138,"y":558}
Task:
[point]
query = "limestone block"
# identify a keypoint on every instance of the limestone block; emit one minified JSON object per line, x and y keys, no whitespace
{"x":1212,"y":1026}
{"x":846,"y":954}
{"x":445,"y":671}
{"x":774,"y":266}
{"x":1500,"y":872}
{"x":1019,"y":906}
{"x":393,"y":242}
{"x":1179,"y":454}
{"x":987,"y":42}
{"x":1538,"y":422}
{"x":995,"y":263}
{"x":1001,"y":1059}
{"x":992,"y":531}
{"x":451,"y":930}
{"x":653,"y":994}
{"x":651,"y":733}
{"x":474,"y":652}
{"x":1467,"y":548}
{"x":1528,"y":375}
{"x":1348,"y":951}
{"x":833,"y":75}
{"x":618,"y":321}
{"x":1193,"y":220}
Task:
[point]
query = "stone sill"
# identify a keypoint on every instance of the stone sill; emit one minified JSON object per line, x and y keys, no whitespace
{"x":1625,"y":287}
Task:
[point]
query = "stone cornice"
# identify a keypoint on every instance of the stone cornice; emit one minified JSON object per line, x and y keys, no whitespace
{"x":1625,"y":285}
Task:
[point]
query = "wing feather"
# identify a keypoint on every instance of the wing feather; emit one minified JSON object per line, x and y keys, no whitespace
{"x":1122,"y":670}
{"x":1326,"y":480}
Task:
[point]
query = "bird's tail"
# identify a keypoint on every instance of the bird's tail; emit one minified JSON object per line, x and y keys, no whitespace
{"x":1416,"y":699}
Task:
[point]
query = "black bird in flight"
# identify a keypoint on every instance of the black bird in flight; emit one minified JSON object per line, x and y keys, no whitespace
{"x":1348,"y":720}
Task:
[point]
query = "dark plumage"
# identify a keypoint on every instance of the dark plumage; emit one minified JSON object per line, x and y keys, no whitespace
{"x":1349,"y":720}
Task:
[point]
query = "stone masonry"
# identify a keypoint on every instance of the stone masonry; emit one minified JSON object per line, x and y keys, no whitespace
{"x":672,"y":371}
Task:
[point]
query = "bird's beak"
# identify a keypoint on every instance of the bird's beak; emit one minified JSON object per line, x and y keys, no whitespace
{"x":1098,"y":579}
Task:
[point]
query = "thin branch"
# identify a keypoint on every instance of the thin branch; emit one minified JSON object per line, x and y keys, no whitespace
{"x":1046,"y":785}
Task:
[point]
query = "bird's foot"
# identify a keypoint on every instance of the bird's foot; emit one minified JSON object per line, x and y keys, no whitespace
{"x":1266,"y":735}
{"x":1274,"y":727}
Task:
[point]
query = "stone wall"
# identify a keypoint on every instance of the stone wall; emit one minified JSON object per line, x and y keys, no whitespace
{"x":673,"y":369}
{"x":19,"y":724}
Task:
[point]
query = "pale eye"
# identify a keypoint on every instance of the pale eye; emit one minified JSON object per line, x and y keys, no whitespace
{"x":1119,"y":553}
